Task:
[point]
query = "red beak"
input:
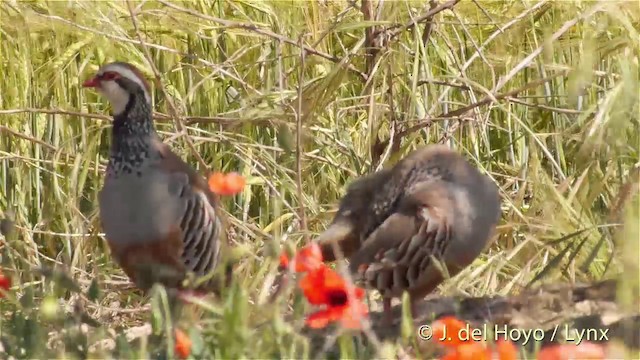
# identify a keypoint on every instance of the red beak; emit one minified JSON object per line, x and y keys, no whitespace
{"x":93,"y":83}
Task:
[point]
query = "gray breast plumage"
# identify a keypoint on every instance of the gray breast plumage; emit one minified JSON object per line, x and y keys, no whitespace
{"x":139,"y":208}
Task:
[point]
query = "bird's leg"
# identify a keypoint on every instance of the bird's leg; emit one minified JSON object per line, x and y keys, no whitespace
{"x":414,"y":308}
{"x":176,"y":306}
{"x":387,"y":316}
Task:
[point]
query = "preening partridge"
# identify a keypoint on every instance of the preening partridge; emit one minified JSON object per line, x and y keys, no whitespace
{"x":160,"y":219}
{"x":392,"y":224}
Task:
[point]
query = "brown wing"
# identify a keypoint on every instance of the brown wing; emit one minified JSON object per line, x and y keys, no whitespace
{"x":202,"y":223}
{"x":400,"y":254}
{"x":355,"y":218}
{"x":173,"y":163}
{"x":396,"y":230}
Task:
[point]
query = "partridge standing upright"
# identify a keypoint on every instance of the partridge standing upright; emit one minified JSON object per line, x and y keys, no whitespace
{"x":160,"y":219}
{"x":392,"y":224}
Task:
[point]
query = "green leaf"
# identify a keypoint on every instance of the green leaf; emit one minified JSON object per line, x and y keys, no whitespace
{"x":93,"y":293}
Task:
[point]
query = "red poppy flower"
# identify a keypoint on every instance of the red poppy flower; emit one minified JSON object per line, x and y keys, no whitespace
{"x":469,"y":351}
{"x":5,"y":283}
{"x":182,"y":344}
{"x":506,"y":350}
{"x":306,"y":259}
{"x":350,"y":315}
{"x":324,"y":286}
{"x":502,"y":350}
{"x":449,"y":329}
{"x":583,"y":351}
{"x":226,"y":184}
{"x":284,"y":260}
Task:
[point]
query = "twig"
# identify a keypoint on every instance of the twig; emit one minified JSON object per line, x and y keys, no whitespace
{"x":389,"y":146}
{"x":370,"y":45}
{"x":55,"y":111}
{"x":484,"y":45}
{"x":627,"y":191}
{"x":555,"y":36}
{"x":253,"y":28}
{"x":382,"y":149}
{"x":123,"y":39}
{"x":545,"y":107}
{"x":486,"y":100}
{"x":179,"y":126}
{"x":6,"y":129}
{"x":380,"y":153}
{"x":492,"y":98}
{"x":157,"y":116}
{"x":301,"y":212}
{"x":395,"y":30}
{"x":428,"y":28}
{"x":282,"y":279}
{"x":443,"y":83}
{"x":49,"y":147}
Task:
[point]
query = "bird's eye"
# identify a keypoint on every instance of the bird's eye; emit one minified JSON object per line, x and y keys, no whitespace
{"x":109,"y":75}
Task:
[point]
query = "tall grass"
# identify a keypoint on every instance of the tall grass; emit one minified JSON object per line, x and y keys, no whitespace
{"x":541,"y":95}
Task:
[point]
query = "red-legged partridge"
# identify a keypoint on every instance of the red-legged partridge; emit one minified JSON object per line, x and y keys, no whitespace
{"x":160,"y":219}
{"x":392,"y":224}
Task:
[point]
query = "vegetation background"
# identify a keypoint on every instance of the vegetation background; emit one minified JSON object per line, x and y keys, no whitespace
{"x":540,"y":95}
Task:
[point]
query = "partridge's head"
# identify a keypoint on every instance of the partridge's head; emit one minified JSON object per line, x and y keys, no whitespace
{"x":118,"y":82}
{"x":362,"y":206}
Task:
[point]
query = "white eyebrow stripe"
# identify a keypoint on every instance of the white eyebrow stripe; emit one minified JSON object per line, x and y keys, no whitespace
{"x":126,"y":72}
